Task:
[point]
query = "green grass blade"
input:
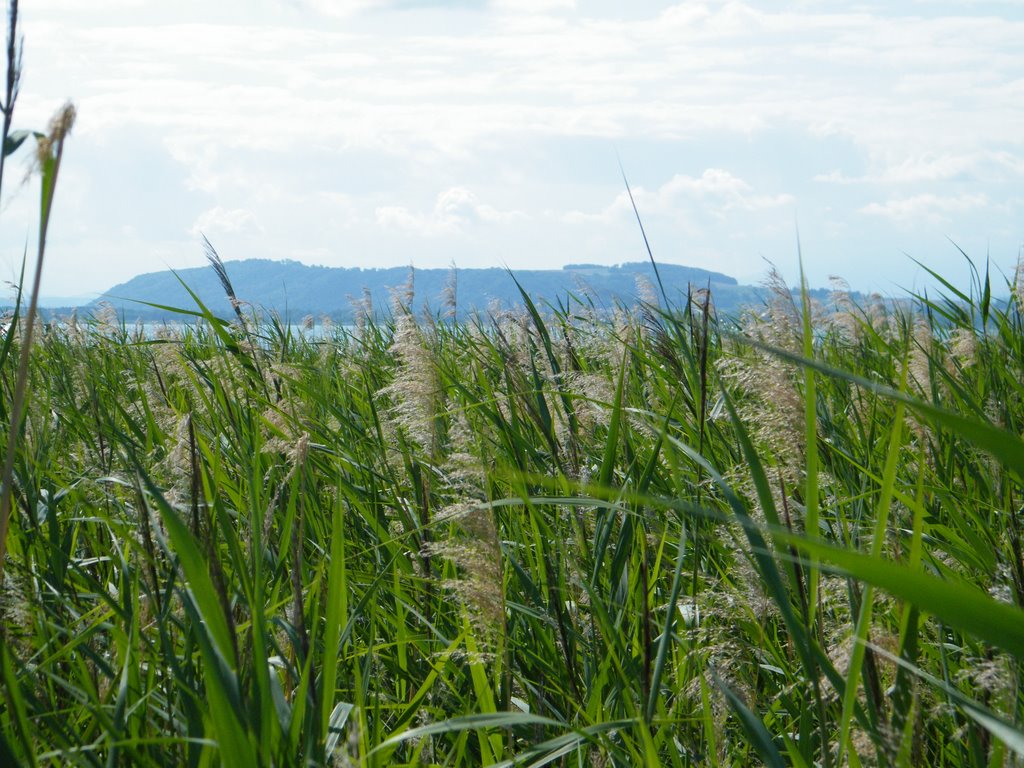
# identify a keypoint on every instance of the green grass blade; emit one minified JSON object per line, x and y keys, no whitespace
{"x":336,"y":616}
{"x":956,"y":603}
{"x":667,"y":632}
{"x":810,"y":399}
{"x":1003,"y":445}
{"x":197,"y":572}
{"x":867,"y":599}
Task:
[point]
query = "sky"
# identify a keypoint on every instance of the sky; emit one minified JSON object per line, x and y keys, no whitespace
{"x":870,"y":138}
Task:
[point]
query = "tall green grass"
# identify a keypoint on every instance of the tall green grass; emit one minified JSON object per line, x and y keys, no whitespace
{"x":551,"y":536}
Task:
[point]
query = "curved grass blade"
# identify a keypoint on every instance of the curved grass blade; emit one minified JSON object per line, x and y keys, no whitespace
{"x":1003,"y":445}
{"x":500,"y":720}
{"x":956,"y":603}
{"x":551,"y":750}
{"x":467,"y":723}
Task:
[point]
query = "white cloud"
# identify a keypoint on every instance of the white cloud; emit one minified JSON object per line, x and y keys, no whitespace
{"x":225,"y":221}
{"x":985,"y":166}
{"x":344,"y":8}
{"x":454,"y":211}
{"x":95,"y":6}
{"x":727,"y":192}
{"x":926,"y":207}
{"x":266,"y":108}
{"x":716,"y":191}
{"x":532,"y":6}
{"x":692,"y":69}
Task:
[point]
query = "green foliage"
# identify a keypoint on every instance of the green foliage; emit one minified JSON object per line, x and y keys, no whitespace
{"x":554,"y":537}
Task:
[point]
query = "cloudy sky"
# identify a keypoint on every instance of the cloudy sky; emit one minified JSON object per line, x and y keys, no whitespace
{"x":489,"y":132}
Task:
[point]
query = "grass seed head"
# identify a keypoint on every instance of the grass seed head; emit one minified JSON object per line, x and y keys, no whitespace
{"x":59,"y":128}
{"x":963,"y":348}
{"x":1018,"y":281}
{"x":449,"y":298}
{"x":646,"y":292}
{"x":362,"y":311}
{"x":844,"y":317}
{"x":174,"y":470}
{"x":415,"y":390}
{"x":919,"y":366}
{"x":477,"y":554}
{"x":107,"y":322}
{"x":993,"y":675}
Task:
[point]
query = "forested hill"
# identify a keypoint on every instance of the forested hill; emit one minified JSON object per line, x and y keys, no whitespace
{"x":295,"y":289}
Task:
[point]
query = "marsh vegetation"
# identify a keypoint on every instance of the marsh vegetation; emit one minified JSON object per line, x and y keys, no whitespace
{"x":556,"y":535}
{"x":560,"y":536}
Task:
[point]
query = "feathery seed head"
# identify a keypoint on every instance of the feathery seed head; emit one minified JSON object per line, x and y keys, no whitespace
{"x":449,"y":298}
{"x":477,"y":553}
{"x":402,"y":297}
{"x":62,"y":122}
{"x":844,"y":317}
{"x":919,"y":365}
{"x":107,"y":323}
{"x":416,"y":388}
{"x":362,"y":310}
{"x":645,"y":292}
{"x":58,"y":130}
{"x":279,"y":431}
{"x":993,"y":676}
{"x":963,"y":346}
{"x":1018,"y":280}
{"x":299,"y":452}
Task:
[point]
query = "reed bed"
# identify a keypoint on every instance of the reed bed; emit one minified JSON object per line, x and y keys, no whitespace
{"x":550,"y":536}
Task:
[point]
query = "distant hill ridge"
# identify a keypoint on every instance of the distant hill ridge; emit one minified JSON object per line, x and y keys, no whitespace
{"x":295,"y":289}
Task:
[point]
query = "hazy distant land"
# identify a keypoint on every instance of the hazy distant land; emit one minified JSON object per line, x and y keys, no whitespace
{"x":293,"y":289}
